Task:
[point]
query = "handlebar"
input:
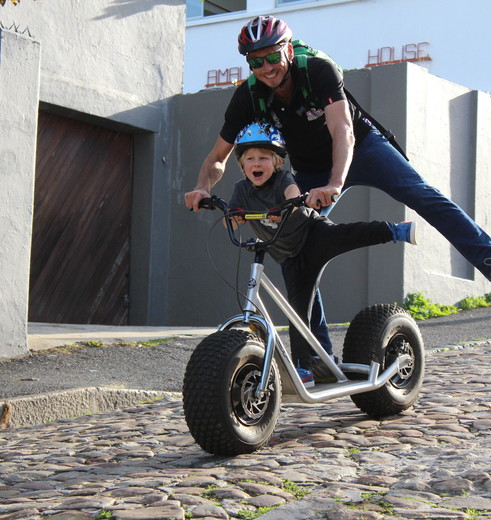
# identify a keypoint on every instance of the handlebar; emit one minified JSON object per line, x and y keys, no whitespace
{"x":215,"y":202}
{"x":285,"y":209}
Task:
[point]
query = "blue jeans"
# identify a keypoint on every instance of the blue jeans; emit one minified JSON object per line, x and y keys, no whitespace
{"x":378,"y":164}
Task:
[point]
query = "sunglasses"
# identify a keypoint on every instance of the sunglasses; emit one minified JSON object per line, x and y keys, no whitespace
{"x":257,"y":63}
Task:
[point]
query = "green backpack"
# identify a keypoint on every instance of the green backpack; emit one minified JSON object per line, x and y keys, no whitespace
{"x":303,"y":52}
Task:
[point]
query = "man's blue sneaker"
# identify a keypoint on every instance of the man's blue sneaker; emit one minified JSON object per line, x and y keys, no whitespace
{"x":307,"y":377}
{"x":404,"y":232}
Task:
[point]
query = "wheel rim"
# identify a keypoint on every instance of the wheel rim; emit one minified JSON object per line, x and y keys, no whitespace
{"x":248,"y":408}
{"x":399,"y":345}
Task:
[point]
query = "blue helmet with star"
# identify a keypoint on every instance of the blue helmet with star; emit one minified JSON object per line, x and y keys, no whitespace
{"x":260,"y":135}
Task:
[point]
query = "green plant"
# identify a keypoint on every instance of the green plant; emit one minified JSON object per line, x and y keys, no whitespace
{"x":151,"y":400}
{"x":473,"y":302}
{"x":93,"y":343}
{"x":153,"y":342}
{"x":104,"y":515}
{"x":297,"y":491}
{"x":420,"y":308}
{"x":389,"y":508}
{"x":352,"y":451}
{"x":209,"y":492}
{"x":250,"y":515}
{"x":371,"y":498}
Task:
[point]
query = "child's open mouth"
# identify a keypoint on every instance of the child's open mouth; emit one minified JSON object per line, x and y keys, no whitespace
{"x":257,"y":174}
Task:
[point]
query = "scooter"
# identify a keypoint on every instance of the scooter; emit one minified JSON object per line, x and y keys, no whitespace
{"x":237,"y":378}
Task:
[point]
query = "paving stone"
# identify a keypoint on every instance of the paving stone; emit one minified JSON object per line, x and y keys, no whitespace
{"x":170,"y":512}
{"x":266,"y":501}
{"x":208,"y":511}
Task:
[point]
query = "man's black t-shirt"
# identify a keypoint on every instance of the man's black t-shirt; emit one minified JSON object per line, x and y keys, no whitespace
{"x":308,"y":141}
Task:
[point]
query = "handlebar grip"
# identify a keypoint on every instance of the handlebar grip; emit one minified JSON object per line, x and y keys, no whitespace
{"x":334,"y":199}
{"x":207,"y":203}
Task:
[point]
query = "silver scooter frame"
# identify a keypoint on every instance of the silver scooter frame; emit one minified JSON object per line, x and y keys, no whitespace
{"x":256,"y":317}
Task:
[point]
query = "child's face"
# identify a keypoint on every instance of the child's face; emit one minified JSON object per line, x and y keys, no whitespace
{"x":258,"y":165}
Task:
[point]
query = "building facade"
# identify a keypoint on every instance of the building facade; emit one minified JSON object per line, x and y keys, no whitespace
{"x":449,"y":38}
{"x":85,"y":134}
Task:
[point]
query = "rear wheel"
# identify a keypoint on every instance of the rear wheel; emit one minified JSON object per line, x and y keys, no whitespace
{"x":382,"y":333}
{"x":221,"y":408}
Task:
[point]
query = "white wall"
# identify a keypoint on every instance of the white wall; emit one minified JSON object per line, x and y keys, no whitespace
{"x":457,"y":32}
{"x":102,"y":57}
{"x":19,"y":91}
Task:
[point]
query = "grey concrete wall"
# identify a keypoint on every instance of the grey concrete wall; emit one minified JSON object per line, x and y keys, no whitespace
{"x":442,"y":126}
{"x":19,"y":90}
{"x":447,"y":128}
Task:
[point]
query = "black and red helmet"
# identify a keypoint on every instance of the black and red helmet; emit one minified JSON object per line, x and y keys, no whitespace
{"x":263,"y":31}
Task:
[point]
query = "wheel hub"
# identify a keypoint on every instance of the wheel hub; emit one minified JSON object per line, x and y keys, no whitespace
{"x":249,"y":408}
{"x":400,"y":346}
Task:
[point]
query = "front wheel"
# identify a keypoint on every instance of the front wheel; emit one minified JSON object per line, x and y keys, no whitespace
{"x":221,"y":408}
{"x":382,"y":333}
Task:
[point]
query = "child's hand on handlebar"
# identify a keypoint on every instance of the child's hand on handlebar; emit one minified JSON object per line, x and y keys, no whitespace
{"x":238,"y":219}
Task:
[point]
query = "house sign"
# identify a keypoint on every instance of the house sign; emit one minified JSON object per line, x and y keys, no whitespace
{"x":407,"y":52}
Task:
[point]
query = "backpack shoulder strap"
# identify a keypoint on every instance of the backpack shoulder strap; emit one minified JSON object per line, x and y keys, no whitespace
{"x":305,"y":86}
{"x":258,"y":102}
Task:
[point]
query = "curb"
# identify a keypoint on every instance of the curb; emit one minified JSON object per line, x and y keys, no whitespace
{"x":66,"y":404}
{"x":53,"y":406}
{"x":457,"y":346}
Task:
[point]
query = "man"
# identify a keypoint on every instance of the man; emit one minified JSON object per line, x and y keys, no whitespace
{"x":308,"y":241}
{"x":331,"y":146}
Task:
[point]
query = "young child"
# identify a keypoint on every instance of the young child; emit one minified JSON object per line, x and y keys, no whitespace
{"x":308,"y":241}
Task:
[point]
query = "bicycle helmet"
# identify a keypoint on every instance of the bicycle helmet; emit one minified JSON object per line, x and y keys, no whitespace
{"x":263,"y":31}
{"x":260,"y":135}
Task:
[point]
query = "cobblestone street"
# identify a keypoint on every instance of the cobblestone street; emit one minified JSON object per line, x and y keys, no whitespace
{"x":324,"y":461}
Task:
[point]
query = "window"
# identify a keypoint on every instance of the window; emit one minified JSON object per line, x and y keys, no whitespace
{"x":282,"y":2}
{"x":201,"y":8}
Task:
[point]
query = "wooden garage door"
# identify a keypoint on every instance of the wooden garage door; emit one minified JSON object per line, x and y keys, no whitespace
{"x":81,"y":230}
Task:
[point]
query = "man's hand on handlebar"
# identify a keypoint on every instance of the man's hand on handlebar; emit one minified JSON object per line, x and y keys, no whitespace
{"x":193,"y":198}
{"x":323,"y":196}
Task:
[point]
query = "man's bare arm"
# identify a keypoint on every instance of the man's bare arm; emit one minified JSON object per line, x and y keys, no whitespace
{"x":210,"y":173}
{"x":340,"y":126}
